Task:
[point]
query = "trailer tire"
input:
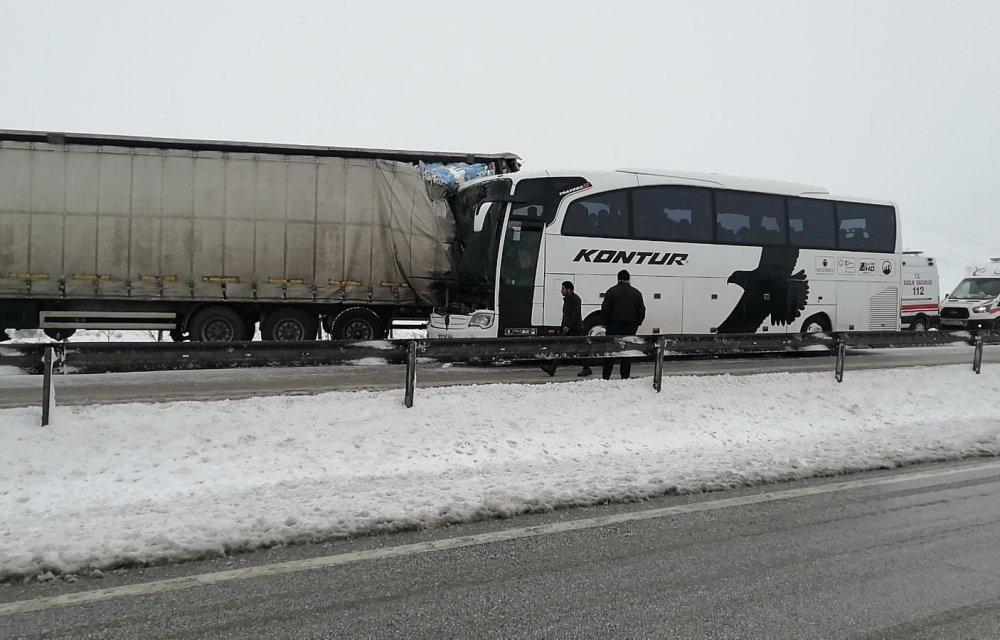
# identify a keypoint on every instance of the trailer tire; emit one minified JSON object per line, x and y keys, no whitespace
{"x":818,"y":323}
{"x":289,"y":323}
{"x":218,"y":324}
{"x":358,"y":323}
{"x":59,"y":335}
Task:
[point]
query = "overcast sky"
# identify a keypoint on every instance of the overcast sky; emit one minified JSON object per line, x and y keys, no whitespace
{"x":887,"y":99}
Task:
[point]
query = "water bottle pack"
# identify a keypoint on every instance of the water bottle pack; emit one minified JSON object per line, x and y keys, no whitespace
{"x":453,"y":175}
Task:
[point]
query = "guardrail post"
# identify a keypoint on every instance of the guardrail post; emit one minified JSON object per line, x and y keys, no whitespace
{"x":51,"y":361}
{"x":841,"y":356}
{"x":411,"y":372}
{"x":658,"y":365}
{"x":977,"y":359}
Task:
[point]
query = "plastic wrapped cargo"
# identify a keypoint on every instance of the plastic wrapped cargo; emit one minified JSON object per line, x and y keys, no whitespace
{"x":453,"y":175}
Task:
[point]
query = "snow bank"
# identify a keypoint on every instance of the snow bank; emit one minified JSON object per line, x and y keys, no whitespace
{"x":113,"y":485}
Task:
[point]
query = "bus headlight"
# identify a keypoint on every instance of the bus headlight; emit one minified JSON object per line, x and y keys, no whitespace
{"x":982,"y":309}
{"x":481,"y":319}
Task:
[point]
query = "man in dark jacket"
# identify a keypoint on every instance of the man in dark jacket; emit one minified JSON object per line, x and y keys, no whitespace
{"x":623,"y":311}
{"x":572,"y":324}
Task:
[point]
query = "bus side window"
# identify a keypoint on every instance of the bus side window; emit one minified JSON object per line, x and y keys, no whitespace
{"x":684,"y":230}
{"x":750,"y":218}
{"x":731,"y":228}
{"x":612,"y":224}
{"x":769,"y":232}
{"x":811,"y":223}
{"x":866,"y":227}
{"x":609,"y":211}
{"x":672,"y":213}
{"x":578,"y":221}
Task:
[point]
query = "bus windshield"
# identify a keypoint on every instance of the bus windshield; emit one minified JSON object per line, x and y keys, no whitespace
{"x":976,"y":289}
{"x":474,"y":254}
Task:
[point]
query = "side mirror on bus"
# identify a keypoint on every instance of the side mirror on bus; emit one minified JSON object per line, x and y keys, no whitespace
{"x":484,"y":208}
{"x":480,"y":219}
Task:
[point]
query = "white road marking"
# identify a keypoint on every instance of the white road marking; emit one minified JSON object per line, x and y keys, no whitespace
{"x":294,"y":566}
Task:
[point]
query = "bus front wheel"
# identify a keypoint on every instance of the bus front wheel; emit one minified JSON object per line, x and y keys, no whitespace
{"x":594,"y":326}
{"x":818,"y":323}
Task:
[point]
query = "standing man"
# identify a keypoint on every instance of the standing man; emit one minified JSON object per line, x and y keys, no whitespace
{"x":623,"y":311}
{"x":572,"y":324}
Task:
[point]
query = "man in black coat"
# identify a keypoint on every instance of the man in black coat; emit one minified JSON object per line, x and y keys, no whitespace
{"x":572,"y":324}
{"x":623,"y":311}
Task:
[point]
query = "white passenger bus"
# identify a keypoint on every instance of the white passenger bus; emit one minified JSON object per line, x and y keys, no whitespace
{"x":710,"y":254}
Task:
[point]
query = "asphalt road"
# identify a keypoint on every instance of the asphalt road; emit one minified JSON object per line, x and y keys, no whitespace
{"x":21,"y":390}
{"x":908,"y":553}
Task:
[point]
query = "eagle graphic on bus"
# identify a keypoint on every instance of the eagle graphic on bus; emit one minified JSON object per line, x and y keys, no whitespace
{"x":769,"y":290}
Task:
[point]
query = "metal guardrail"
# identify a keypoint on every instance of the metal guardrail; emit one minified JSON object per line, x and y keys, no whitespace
{"x":126,"y":357}
{"x":82,"y":357}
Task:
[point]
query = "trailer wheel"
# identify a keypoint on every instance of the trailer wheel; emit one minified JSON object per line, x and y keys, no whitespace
{"x":818,"y":323}
{"x":218,"y":324}
{"x":60,"y":335}
{"x":358,"y":323}
{"x":594,"y":325}
{"x":289,"y":323}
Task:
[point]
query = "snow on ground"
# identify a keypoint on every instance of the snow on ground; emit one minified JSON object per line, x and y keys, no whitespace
{"x":110,"y":485}
{"x":86,"y":335}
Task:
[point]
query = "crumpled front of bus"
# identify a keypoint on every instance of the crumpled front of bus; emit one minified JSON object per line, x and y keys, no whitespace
{"x":464,"y":300}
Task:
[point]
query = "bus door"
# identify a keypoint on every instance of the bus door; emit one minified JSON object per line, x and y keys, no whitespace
{"x":518,"y":269}
{"x":533,"y":206}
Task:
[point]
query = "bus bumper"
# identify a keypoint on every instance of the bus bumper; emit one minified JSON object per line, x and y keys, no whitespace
{"x":481,"y":324}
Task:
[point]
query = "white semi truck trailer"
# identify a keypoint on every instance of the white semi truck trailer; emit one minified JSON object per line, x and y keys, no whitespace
{"x":211,"y":240}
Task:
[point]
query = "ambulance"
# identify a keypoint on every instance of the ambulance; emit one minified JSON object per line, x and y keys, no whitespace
{"x":918,"y":309}
{"x":975,"y":302}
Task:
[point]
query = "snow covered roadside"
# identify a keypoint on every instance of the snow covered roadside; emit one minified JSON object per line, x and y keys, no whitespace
{"x":28,"y":336}
{"x":144,"y":483}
